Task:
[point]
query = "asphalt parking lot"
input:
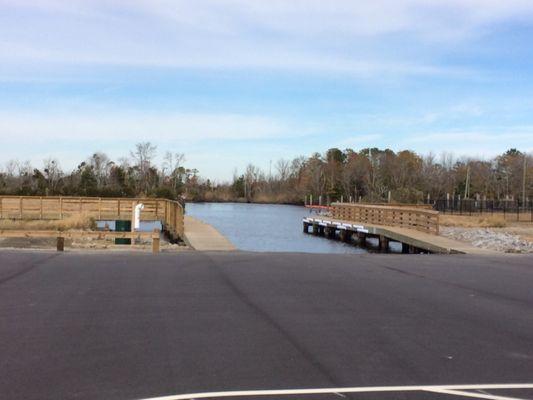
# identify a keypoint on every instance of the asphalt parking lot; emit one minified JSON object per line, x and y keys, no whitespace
{"x":134,"y":326}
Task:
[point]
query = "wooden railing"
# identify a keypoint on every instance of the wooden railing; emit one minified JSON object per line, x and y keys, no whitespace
{"x":399,"y":205}
{"x":403,"y":217}
{"x":169,"y":212}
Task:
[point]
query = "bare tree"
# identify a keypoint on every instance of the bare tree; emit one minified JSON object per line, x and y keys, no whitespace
{"x":173,"y":168}
{"x":52,"y":174}
{"x":11,"y":168}
{"x":251,"y":177}
{"x":143,"y":155}
{"x":101,"y":165}
{"x":283,"y":167}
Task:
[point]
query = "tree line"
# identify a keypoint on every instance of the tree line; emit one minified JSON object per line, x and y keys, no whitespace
{"x":369,"y":175}
{"x":131,"y":176}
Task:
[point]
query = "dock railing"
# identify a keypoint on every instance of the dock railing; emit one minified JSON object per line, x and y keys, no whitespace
{"x":169,"y":212}
{"x":404,"y":217}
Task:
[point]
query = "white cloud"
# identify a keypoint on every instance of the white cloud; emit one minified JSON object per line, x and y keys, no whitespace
{"x":472,"y":137}
{"x":481,"y":142}
{"x":310,"y":35}
{"x":213,"y":143}
{"x":135,"y":126}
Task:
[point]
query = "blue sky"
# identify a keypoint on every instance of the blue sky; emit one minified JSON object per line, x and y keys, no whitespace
{"x":228,"y":82}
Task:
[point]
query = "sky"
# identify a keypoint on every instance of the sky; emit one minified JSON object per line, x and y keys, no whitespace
{"x":232,"y":82}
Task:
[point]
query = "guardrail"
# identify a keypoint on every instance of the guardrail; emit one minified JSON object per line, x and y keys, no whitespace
{"x":169,"y":212}
{"x":412,"y":218}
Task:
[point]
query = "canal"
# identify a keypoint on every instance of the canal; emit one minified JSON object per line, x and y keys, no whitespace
{"x":265,"y":227}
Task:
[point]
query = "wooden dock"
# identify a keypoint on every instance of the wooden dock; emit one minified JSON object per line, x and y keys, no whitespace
{"x":412,"y":241}
{"x":204,"y":237}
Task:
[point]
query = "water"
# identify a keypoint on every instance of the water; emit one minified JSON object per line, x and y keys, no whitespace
{"x":265,"y":227}
{"x":144,"y":226}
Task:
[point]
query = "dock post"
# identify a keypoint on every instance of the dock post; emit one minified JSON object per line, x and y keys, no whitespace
{"x":155,"y":241}
{"x":361,"y":239}
{"x":60,"y":243}
{"x":321,"y":230}
{"x":306,"y":227}
{"x":405,"y":248}
{"x":383,"y":244}
{"x":329,"y":232}
{"x":345,"y":235}
{"x":342,"y":235}
{"x":315,"y":228}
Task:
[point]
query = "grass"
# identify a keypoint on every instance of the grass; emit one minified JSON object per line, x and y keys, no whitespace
{"x":79,"y":222}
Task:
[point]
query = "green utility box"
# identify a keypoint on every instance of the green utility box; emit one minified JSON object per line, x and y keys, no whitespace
{"x":122,"y":226}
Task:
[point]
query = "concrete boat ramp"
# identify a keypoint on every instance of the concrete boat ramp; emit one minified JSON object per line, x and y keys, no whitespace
{"x":204,"y":237}
{"x":412,"y":241}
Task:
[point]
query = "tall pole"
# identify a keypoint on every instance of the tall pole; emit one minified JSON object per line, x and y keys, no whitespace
{"x":524,"y":182}
{"x":467,"y":185}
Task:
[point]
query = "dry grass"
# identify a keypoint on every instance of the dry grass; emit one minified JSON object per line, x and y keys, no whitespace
{"x":81,"y":221}
{"x":477,"y":221}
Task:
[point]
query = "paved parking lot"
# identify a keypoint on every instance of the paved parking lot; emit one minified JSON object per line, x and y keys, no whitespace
{"x":135,"y":326}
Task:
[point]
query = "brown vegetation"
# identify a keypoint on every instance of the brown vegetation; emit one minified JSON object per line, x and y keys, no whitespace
{"x":79,"y":222}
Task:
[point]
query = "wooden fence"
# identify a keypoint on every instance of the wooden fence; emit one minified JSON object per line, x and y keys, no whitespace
{"x":404,"y":217}
{"x":169,"y":212}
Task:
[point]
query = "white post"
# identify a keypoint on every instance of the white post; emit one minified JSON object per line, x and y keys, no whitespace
{"x":137,"y":216}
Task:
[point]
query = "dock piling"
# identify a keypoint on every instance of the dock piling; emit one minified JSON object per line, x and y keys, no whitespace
{"x":383,"y":244}
{"x":361,"y":239}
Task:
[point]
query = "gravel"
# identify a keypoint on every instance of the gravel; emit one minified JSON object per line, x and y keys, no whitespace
{"x":487,"y":238}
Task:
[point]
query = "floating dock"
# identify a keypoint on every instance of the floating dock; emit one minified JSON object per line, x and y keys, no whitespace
{"x":411,"y":241}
